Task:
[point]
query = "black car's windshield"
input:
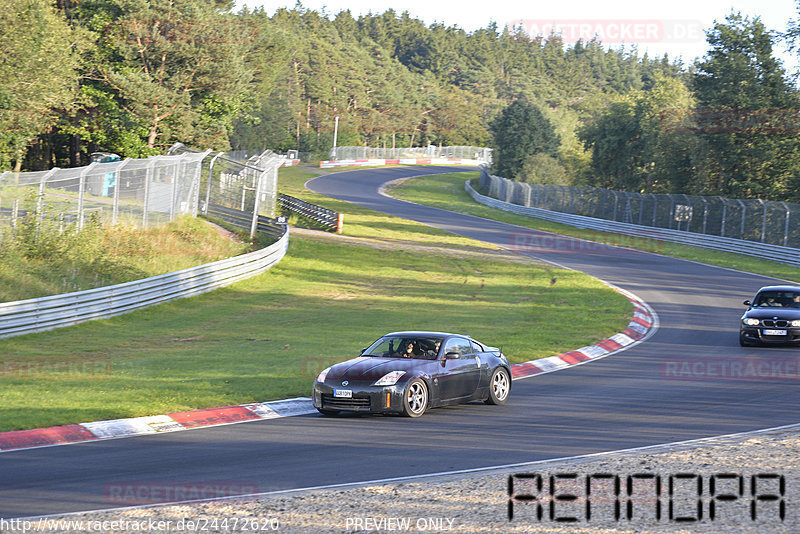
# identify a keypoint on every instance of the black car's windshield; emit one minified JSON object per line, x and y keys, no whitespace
{"x":777,"y":299}
{"x":421,"y":347}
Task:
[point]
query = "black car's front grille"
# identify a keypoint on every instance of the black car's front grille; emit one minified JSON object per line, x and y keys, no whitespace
{"x":338,"y":403}
{"x":774,"y":323}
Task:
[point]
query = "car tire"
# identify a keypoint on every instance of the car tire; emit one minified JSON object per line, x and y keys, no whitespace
{"x":744,"y":343}
{"x":499,"y":386}
{"x":415,"y":398}
{"x":327,"y":412}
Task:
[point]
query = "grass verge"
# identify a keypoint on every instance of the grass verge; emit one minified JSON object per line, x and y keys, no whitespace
{"x":447,"y":191}
{"x":267,"y":337}
{"x":98,"y":256}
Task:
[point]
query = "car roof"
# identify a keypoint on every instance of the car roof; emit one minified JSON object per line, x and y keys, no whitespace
{"x":424,"y":333}
{"x":779,"y":288}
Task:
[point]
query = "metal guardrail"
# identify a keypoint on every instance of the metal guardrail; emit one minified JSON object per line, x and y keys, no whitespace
{"x":324,"y":216}
{"x":778,"y":253}
{"x":46,"y":313}
{"x":243,"y":220}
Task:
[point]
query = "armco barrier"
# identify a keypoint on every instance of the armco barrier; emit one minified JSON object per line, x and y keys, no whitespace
{"x":243,"y":220}
{"x":377,"y":162}
{"x":47,"y":313}
{"x":786,"y":255}
{"x":323,"y":216}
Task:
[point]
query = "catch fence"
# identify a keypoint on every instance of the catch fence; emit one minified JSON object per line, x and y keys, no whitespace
{"x":481,"y":154}
{"x":138,"y":192}
{"x":757,"y":220}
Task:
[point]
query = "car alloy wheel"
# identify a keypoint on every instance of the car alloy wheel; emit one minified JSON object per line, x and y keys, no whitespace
{"x":499,"y":386}
{"x":415,"y":400}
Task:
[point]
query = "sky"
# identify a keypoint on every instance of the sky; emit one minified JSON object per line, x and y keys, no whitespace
{"x":674,"y":26}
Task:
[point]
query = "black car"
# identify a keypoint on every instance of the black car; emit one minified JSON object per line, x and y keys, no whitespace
{"x":772,"y":318}
{"x":409,"y":372}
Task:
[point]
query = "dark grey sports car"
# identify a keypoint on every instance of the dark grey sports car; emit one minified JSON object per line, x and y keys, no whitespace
{"x":772,"y":318}
{"x":409,"y":372}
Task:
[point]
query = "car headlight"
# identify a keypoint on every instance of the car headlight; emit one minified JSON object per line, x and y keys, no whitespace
{"x":322,"y":375}
{"x":389,"y":379}
{"x":751,"y":322}
{"x":796,"y":322}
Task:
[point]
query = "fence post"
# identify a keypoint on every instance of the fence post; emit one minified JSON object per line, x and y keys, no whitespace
{"x":148,"y":178}
{"x":254,"y":221}
{"x":655,"y":208}
{"x":117,"y":182}
{"x":724,"y":215}
{"x":173,"y":194}
{"x":210,"y":179}
{"x":763,"y":220}
{"x":40,"y":198}
{"x":705,"y":213}
{"x":744,"y":214}
{"x":786,"y":225}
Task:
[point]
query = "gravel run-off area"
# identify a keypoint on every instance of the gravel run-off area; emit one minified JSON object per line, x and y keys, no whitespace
{"x":479,"y":501}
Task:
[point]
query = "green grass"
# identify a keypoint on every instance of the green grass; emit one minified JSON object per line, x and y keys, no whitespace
{"x":267,"y":337}
{"x":447,"y":191}
{"x":101,"y":256}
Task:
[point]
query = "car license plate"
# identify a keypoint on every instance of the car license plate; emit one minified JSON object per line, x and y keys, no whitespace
{"x":343,"y":393}
{"x":774,"y":332}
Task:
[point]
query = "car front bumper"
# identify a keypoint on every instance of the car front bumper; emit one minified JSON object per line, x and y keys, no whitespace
{"x":365,"y":398}
{"x":756,"y":334}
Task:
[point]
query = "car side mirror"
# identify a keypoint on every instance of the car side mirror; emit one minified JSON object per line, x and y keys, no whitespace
{"x":363,"y":350}
{"x":747,"y":303}
{"x":452,"y":356}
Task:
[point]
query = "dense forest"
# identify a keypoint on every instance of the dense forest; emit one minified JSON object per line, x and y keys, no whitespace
{"x":135,"y":76}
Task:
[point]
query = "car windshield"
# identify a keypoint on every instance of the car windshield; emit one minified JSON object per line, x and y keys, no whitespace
{"x":777,"y":299}
{"x":420,"y":347}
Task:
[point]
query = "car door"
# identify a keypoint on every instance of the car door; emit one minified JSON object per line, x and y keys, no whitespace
{"x":461,"y":372}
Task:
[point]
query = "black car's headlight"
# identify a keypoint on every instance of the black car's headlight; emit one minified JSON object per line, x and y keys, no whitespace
{"x":751,"y":322}
{"x":389,"y":379}
{"x":322,"y":375}
{"x":796,"y":322}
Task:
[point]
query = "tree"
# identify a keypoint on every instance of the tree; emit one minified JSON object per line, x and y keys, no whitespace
{"x":38,"y":73}
{"x":740,"y":82}
{"x":521,"y":131}
{"x":180,"y":68}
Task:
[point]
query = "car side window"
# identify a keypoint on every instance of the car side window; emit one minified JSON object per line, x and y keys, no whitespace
{"x":458,"y":344}
{"x":477,"y":347}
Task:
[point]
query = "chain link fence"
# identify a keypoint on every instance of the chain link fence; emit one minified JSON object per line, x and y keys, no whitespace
{"x":137,"y":192}
{"x":230,"y":181}
{"x":431,"y":151}
{"x":758,"y":220}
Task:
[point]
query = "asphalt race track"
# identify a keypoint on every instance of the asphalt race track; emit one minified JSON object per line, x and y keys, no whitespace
{"x":626,"y":400}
